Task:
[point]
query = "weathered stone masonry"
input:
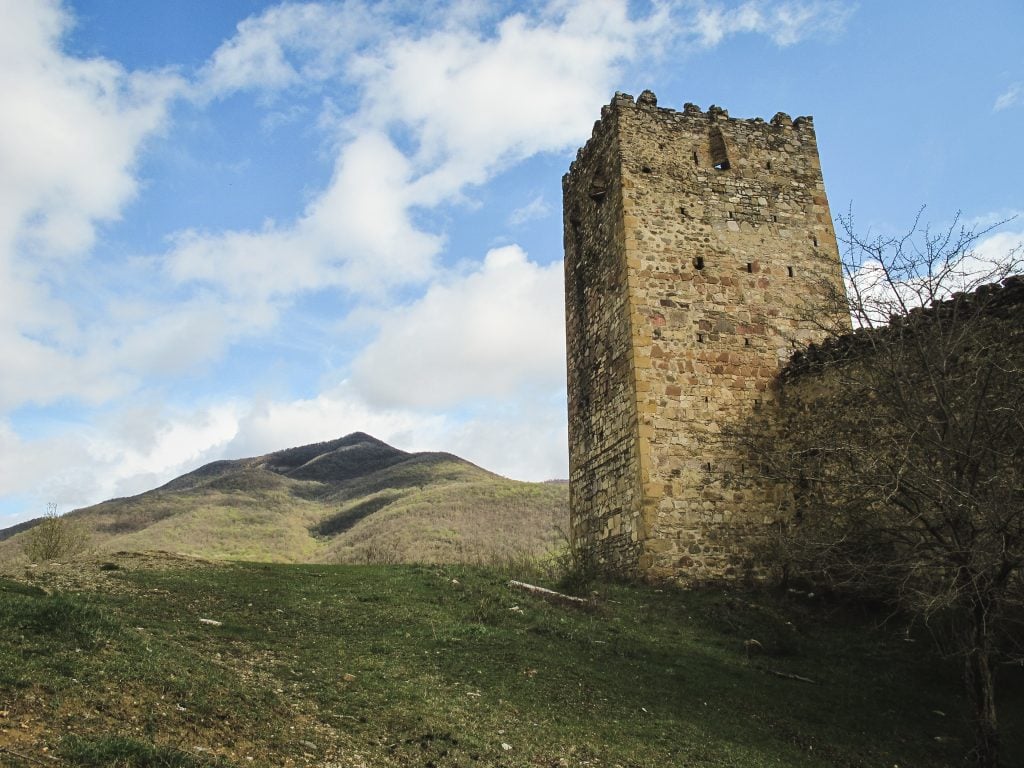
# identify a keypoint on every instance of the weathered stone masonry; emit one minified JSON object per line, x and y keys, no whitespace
{"x":695,"y":246}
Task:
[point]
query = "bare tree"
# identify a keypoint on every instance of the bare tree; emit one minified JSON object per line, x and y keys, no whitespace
{"x":903,"y":444}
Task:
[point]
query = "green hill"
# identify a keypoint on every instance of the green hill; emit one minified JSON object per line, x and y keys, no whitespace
{"x":139,"y":661}
{"x":355,"y":499}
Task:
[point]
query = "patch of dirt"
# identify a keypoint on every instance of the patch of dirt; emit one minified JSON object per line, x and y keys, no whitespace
{"x":97,"y":572}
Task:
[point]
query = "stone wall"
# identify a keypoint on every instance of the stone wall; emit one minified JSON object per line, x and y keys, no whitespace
{"x":699,"y":255}
{"x":604,"y":472}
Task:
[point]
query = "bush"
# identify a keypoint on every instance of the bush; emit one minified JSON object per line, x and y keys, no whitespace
{"x":54,"y":538}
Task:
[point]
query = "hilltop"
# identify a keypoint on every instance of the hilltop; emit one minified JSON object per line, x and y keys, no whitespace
{"x":354,"y":499}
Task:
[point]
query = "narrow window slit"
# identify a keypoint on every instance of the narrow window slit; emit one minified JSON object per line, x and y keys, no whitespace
{"x":790,"y":271}
{"x":698,"y":262}
{"x":750,"y":266}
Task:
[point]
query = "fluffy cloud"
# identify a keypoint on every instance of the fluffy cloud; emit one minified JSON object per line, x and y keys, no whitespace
{"x":140,"y":448}
{"x":485,"y":335}
{"x":294,"y":44}
{"x":786,"y":23}
{"x":429,"y":123}
{"x":552,"y":71}
{"x":358,"y":235}
{"x":71,"y":131}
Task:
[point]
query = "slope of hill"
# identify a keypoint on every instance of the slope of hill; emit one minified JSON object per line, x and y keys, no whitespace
{"x":354,"y":499}
{"x":134,"y":660}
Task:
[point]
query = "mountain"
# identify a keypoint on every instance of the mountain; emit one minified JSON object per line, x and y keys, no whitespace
{"x":354,"y":499}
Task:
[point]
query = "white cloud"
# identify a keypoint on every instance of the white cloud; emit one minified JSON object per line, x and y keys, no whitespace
{"x":879,"y":293}
{"x":140,"y":449}
{"x":358,"y":234}
{"x":143,"y":446}
{"x":293,"y":44}
{"x":537,"y":208}
{"x":71,"y":132}
{"x":439,"y":87}
{"x":1009,"y":97}
{"x":487,"y":335}
{"x":786,"y":23}
{"x":552,"y":72}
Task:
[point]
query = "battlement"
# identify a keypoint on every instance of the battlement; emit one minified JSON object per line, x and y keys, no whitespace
{"x":693,"y":118}
{"x":695,"y":247}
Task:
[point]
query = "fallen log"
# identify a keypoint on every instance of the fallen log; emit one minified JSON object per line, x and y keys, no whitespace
{"x":550,"y":595}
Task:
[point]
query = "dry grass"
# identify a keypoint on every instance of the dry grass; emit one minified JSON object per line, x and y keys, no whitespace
{"x":387,"y":507}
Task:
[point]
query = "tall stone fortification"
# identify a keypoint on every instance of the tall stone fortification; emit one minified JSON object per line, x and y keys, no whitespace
{"x":699,"y":253}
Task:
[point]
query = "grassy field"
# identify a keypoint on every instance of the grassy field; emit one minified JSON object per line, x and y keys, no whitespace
{"x":110,"y":663}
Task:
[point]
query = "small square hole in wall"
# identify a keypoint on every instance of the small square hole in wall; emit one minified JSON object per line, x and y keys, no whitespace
{"x":645,"y":168}
{"x":698,"y":262}
{"x":746,"y":342}
{"x":768,"y":165}
{"x":682,"y":212}
{"x":700,"y":340}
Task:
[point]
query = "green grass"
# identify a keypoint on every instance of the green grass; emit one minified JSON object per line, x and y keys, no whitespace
{"x":443,"y":665}
{"x":121,"y":752}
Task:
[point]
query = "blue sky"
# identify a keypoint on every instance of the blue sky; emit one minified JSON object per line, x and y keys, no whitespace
{"x":231,"y":227}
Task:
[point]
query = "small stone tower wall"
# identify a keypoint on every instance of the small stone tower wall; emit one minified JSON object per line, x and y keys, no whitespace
{"x":699,"y":254}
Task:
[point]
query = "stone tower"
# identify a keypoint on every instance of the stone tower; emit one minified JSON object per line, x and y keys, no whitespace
{"x":695,"y":247}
